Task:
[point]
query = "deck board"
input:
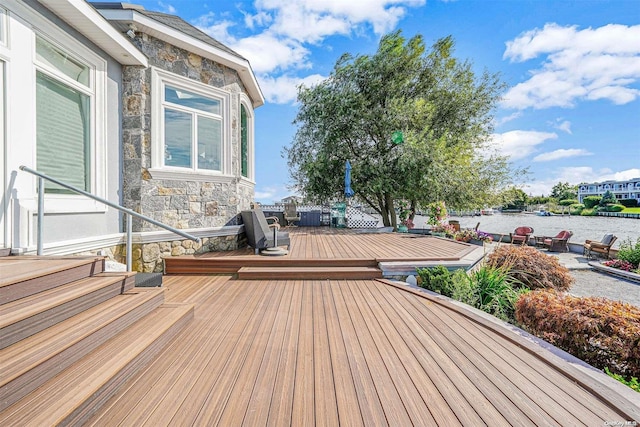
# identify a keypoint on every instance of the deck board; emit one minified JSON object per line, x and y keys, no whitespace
{"x":312,"y":246}
{"x":342,"y":352}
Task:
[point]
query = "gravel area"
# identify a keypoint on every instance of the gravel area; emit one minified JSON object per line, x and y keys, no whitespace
{"x":593,"y":283}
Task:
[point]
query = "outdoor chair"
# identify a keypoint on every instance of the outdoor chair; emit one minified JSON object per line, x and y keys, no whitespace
{"x":260,"y":233}
{"x":521,"y":235}
{"x":291,"y":214}
{"x":591,"y":248}
{"x":559,"y":243}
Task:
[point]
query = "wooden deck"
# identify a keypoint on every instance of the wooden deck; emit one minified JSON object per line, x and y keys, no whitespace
{"x":350,"y":352}
{"x":330,"y":247}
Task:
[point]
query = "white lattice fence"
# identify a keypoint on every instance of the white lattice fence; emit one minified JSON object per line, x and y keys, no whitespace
{"x":359,"y":219}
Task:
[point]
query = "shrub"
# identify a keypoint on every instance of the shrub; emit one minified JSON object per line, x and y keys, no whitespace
{"x":437,"y":279}
{"x":607,"y":198}
{"x":576,"y":209}
{"x":619,"y":264}
{"x":591,"y":201}
{"x":589,"y":212}
{"x":531,"y":267}
{"x":611,"y":207}
{"x":602,"y":332}
{"x":628,"y":203}
{"x":568,"y":202}
{"x":495,"y":291}
{"x":630,"y":252}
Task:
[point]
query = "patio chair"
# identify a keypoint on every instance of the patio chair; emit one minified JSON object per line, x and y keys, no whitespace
{"x":291,"y":214}
{"x":521,"y":235}
{"x":260,"y":233}
{"x":591,"y":248}
{"x":558,"y":243}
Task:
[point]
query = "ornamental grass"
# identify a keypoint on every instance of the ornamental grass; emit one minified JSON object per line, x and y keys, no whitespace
{"x":532,"y":268}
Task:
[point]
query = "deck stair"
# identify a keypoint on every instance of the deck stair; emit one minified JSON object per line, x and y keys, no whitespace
{"x":71,"y":334}
{"x":309,"y":273}
{"x":232,"y":264}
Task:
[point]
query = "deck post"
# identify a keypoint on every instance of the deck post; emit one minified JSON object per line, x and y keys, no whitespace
{"x":128,"y":248}
{"x":40,"y":214}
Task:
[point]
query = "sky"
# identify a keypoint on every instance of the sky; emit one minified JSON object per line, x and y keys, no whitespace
{"x":571,"y":110}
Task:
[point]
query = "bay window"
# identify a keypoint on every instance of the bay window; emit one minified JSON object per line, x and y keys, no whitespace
{"x":191,"y":121}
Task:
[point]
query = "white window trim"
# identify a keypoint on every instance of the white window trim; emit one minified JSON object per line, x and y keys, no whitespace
{"x":60,"y":203}
{"x":158,"y":170}
{"x":244,"y":100}
{"x":24,"y":47}
{"x":3,"y":27}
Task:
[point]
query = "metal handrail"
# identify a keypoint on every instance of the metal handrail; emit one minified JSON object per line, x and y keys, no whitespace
{"x":129,"y":212}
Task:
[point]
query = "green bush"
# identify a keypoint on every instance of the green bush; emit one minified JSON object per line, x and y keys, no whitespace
{"x":608,"y":198}
{"x":602,"y":332}
{"x":490,"y":289}
{"x":630,"y":252}
{"x":614,"y":208}
{"x":437,"y":279}
{"x":589,"y":212}
{"x":568,"y":202}
{"x":530,"y":267}
{"x":495,"y":291}
{"x":628,"y":203}
{"x":591,"y":201}
{"x":576,"y":209}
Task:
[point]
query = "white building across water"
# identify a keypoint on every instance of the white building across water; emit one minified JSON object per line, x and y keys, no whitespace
{"x":629,"y":189}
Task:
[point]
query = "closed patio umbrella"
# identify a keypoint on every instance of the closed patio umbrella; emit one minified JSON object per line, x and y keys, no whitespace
{"x":348,"y":192}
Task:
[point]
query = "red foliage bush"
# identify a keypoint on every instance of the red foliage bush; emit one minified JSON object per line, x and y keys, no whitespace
{"x":534,"y":269}
{"x":602,"y":332}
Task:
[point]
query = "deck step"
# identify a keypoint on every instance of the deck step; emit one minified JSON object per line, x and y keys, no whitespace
{"x":258,"y":273}
{"x":28,"y":316}
{"x":22,"y":276}
{"x":76,"y":393}
{"x":29,"y":363}
{"x":189,"y":264}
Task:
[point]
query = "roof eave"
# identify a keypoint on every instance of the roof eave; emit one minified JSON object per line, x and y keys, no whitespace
{"x":85,"y":19}
{"x":191,"y":44}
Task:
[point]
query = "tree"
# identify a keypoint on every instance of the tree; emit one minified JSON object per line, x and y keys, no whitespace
{"x":514,"y":198}
{"x":442,"y":109}
{"x":563,"y":190}
{"x":608,"y":198}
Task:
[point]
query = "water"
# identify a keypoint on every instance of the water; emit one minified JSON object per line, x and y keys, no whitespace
{"x":583,"y":227}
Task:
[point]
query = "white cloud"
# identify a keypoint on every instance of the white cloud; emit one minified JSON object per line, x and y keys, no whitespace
{"x":167,"y":8}
{"x":589,"y":64}
{"x":508,"y":118}
{"x":283,"y":31}
{"x":283,"y":54}
{"x":561,"y":154}
{"x":518,"y":144}
{"x":284,"y":89}
{"x":564,"y":125}
{"x":312,"y":20}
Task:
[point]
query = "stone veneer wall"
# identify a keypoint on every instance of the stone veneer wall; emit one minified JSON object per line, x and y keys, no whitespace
{"x":180,"y":204}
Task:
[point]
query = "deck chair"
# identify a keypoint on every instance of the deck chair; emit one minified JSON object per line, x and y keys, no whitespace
{"x":591,"y":248}
{"x":558,"y":243}
{"x":521,"y":235}
{"x":291,"y":214}
{"x":262,"y":232}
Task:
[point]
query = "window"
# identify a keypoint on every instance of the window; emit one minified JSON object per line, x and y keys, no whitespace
{"x":63,"y":117}
{"x":244,"y":142}
{"x":191,"y":122}
{"x":246,"y":148}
